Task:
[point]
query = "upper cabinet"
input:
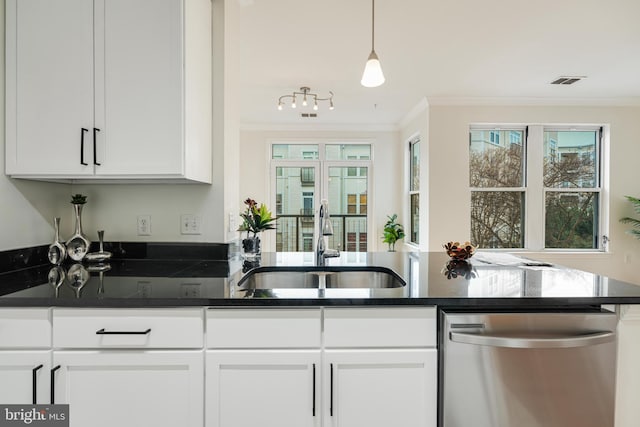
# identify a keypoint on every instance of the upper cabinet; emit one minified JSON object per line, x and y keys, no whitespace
{"x":109,"y":89}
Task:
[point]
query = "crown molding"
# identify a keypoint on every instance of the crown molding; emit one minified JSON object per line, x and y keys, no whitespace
{"x":631,"y":101}
{"x":319,"y":127}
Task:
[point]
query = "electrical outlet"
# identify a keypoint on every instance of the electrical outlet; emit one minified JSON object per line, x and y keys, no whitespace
{"x":190,"y":224}
{"x":232,"y":222}
{"x":144,"y":225}
{"x":144,"y":289}
{"x":190,"y":290}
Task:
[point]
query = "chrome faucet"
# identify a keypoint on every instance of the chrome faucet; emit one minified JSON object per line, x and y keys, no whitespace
{"x":325,"y":228}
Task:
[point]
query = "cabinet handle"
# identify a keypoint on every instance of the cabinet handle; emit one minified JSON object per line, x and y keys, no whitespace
{"x":331,"y":391}
{"x":95,"y":152}
{"x":313,"y":393}
{"x":34,"y":382}
{"x":82,"y":131}
{"x":103,"y":332}
{"x":53,"y":388}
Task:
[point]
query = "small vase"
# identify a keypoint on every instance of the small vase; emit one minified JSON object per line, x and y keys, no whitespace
{"x":57,"y":250}
{"x":78,"y":244}
{"x":251,"y":248}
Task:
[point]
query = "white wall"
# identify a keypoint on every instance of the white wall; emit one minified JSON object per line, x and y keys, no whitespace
{"x":387,"y":162}
{"x":449,"y":175}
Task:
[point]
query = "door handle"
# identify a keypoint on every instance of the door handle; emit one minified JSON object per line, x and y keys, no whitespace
{"x":331,"y":391}
{"x":95,"y":152}
{"x":82,"y":131}
{"x":34,"y":382}
{"x":313,"y":392}
{"x":53,"y":388}
{"x":532,"y":340}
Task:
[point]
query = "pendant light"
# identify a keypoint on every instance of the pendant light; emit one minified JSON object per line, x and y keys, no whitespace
{"x":372,"y":76}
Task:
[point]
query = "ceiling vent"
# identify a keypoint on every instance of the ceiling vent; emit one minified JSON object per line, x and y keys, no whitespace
{"x":567,"y":80}
{"x":309,"y":115}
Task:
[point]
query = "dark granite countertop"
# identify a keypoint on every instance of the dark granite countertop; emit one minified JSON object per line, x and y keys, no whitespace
{"x":489,"y":280}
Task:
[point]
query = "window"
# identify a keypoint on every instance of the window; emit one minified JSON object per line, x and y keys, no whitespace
{"x":543,"y":190}
{"x":414,"y":190}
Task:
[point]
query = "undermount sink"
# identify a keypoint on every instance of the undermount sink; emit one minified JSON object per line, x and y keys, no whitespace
{"x":320,"y":278}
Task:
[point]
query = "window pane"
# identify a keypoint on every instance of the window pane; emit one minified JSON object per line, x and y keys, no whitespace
{"x":571,"y":159}
{"x":571,"y":220}
{"x":348,"y":212}
{"x":415,"y":218}
{"x":294,"y":151}
{"x":497,"y":219}
{"x":414,"y":173}
{"x":496,"y":158}
{"x":348,"y":151}
{"x":295,"y":208}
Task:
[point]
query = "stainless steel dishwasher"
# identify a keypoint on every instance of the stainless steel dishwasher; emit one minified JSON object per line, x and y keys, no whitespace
{"x":528,"y":369}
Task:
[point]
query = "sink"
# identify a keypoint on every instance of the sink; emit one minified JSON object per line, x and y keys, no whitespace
{"x":320,"y":278}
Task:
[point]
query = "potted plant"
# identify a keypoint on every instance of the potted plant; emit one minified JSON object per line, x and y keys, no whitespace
{"x":255,"y":219}
{"x":635,"y":223}
{"x":393,"y":232}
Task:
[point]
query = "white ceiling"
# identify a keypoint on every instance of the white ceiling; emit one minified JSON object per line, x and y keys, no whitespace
{"x":449,"y":51}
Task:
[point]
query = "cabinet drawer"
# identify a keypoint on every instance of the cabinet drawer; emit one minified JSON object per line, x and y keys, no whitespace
{"x":380,"y":327}
{"x":128,"y":328}
{"x":263,"y":328}
{"x":25,"y":327}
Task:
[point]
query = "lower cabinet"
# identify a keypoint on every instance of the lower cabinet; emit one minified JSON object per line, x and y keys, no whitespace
{"x":263,"y":388}
{"x":380,"y":388}
{"x":130,"y":388}
{"x":24,"y":377}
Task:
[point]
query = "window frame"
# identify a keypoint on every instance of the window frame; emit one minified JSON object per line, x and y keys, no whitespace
{"x":413,"y":191}
{"x":535,"y":192}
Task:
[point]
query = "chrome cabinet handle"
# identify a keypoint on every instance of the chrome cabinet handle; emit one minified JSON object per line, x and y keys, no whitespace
{"x":103,"y":332}
{"x":95,"y":151}
{"x":34,"y":382}
{"x":82,"y":131}
{"x":533,"y":340}
{"x":53,"y":384}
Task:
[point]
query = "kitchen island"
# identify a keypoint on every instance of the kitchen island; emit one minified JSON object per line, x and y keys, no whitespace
{"x":190,"y":336}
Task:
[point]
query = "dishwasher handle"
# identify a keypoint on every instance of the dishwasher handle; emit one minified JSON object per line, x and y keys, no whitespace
{"x":532,"y":340}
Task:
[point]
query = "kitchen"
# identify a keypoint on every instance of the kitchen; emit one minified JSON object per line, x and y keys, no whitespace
{"x":115,"y":207}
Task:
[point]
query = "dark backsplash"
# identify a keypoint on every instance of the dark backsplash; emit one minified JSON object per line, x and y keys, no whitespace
{"x":19,"y":259}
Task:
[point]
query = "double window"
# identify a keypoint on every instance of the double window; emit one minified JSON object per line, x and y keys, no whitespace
{"x":537,"y":187}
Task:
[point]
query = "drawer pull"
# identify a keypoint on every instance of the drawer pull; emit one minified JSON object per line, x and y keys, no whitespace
{"x":103,"y":332}
{"x":34,"y":382}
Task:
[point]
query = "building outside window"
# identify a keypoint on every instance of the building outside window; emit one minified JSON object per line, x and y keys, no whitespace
{"x":304,"y":174}
{"x":414,"y":190}
{"x":542,"y":190}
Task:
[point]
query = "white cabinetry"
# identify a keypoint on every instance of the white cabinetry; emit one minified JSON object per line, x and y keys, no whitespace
{"x":380,"y":367}
{"x":25,"y":356}
{"x":108,"y":89}
{"x":369,"y":367}
{"x":147,"y":365}
{"x":263,"y":368}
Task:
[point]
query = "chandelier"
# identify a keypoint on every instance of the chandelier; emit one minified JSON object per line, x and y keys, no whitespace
{"x":306,"y":98}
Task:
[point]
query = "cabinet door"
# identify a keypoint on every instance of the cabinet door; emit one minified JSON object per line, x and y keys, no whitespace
{"x":131,"y":389}
{"x":49,"y":86}
{"x":263,"y":388}
{"x":20,"y":372}
{"x":139,"y":87}
{"x":380,"y":388}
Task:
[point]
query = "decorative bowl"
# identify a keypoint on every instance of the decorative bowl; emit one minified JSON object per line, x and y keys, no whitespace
{"x":459,"y":251}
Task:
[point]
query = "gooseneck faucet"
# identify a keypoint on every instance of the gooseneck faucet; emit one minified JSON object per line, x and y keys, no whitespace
{"x":325,"y":228}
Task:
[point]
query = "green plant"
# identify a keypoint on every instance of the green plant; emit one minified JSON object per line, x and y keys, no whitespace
{"x":393,"y":232}
{"x":78,"y":199}
{"x":635,"y":223}
{"x":256,"y":218}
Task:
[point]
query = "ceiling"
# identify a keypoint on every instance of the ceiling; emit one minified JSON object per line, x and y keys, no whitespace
{"x":449,"y":51}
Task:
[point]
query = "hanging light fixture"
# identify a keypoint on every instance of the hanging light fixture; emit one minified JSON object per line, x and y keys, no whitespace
{"x":372,"y":76}
{"x":305,"y":92}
